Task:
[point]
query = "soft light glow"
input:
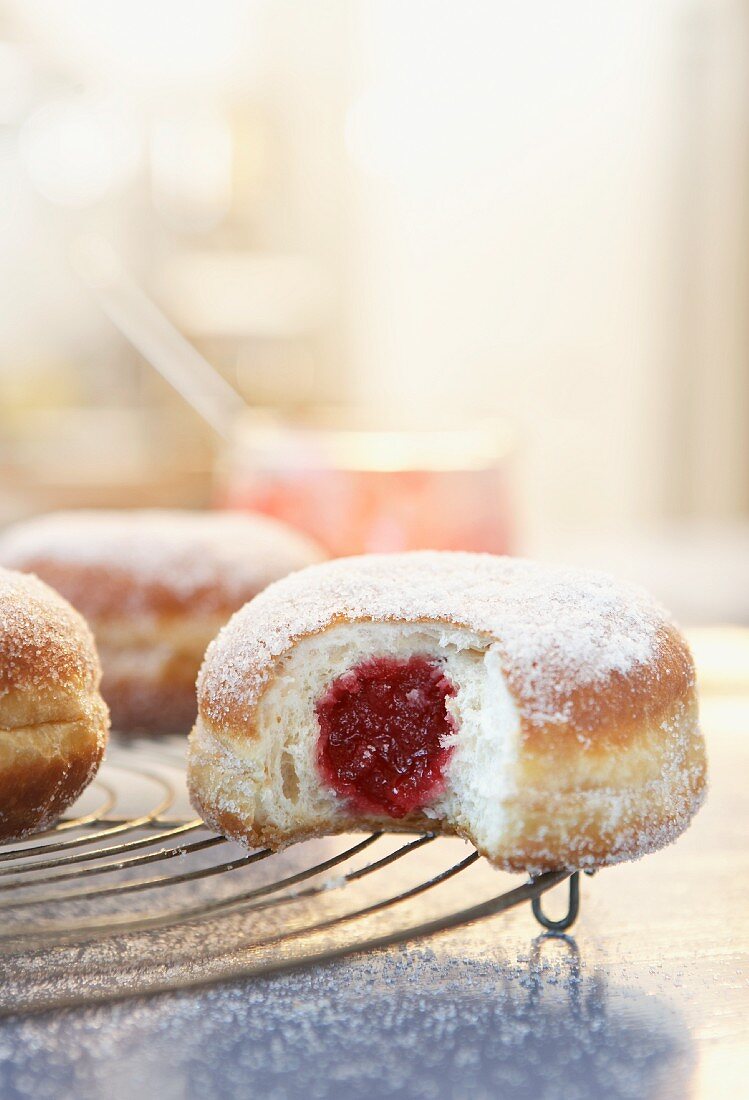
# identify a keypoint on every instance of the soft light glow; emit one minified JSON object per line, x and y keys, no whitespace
{"x":151,"y":46}
{"x":721,"y":654}
{"x":191,"y":166}
{"x":16,"y":83}
{"x":79,"y":150}
{"x":245,"y":293}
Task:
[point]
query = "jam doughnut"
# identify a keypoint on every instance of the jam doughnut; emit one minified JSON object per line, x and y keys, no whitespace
{"x":155,"y":587}
{"x":547,"y":715}
{"x":53,"y":722}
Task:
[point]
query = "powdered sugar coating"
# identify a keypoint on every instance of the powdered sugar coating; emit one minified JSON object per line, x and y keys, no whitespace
{"x":53,"y":722}
{"x":43,"y":641}
{"x":196,"y":559}
{"x":564,"y":634}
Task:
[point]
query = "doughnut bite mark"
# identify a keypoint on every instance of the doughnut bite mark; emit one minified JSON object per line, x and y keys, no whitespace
{"x":549,"y":716}
{"x":384,"y":730}
{"x":53,"y":722}
{"x":155,"y":587}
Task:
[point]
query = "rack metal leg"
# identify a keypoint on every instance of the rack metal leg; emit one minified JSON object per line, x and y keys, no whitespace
{"x":573,"y":908}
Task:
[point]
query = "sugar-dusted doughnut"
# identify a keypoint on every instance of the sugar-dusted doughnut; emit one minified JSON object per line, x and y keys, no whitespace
{"x":53,"y":721}
{"x":155,"y":586}
{"x":547,"y":715}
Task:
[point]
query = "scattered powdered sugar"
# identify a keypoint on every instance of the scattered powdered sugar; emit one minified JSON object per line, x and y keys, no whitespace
{"x":42,"y":638}
{"x":185,"y":553}
{"x":414,"y":1024}
{"x":558,"y":628}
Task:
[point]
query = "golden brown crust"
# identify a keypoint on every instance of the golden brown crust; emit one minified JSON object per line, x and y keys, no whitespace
{"x":614,"y":708}
{"x":232,"y":825}
{"x":44,"y":769}
{"x":53,"y":722}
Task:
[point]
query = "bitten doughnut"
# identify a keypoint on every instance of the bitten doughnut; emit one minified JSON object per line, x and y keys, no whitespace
{"x":547,"y":715}
{"x":155,"y":586}
{"x":53,"y":722}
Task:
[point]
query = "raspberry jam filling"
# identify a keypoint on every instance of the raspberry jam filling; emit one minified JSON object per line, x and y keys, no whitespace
{"x":383,"y":732}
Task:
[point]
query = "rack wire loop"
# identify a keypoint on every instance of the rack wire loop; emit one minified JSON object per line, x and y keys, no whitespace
{"x":573,"y":908}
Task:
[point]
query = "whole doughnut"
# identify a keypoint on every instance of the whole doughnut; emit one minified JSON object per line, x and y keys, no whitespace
{"x":155,"y":587}
{"x":547,"y":715}
{"x":53,"y":721}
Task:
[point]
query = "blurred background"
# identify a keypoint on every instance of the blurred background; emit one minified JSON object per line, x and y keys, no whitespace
{"x":404,"y":274}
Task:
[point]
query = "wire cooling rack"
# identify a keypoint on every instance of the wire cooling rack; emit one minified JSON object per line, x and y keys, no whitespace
{"x":132,"y":894}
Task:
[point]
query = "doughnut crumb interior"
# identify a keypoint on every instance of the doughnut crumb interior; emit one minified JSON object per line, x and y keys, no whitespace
{"x":547,"y":715}
{"x":53,"y":721}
